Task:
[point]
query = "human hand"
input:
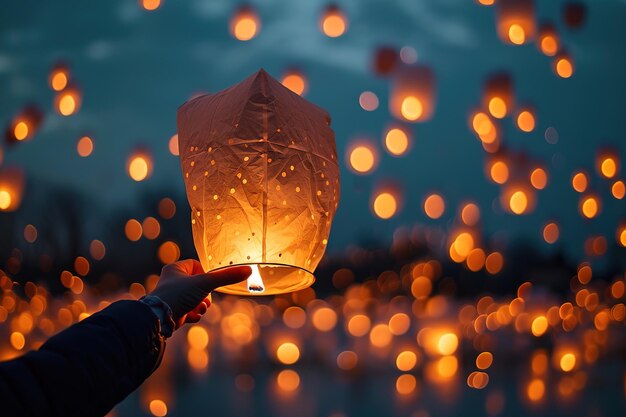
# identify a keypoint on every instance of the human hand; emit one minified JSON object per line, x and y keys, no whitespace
{"x":185,"y":287}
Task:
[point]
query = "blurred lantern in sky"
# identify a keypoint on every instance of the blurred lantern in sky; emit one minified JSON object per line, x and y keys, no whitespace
{"x":59,"y":76}
{"x":385,"y":60}
{"x":11,"y":188}
{"x":563,"y":65}
{"x":295,"y":80}
{"x":362,"y":156}
{"x":397,"y":140}
{"x":139,"y":164}
{"x":518,"y":198}
{"x":607,"y":163}
{"x":515,"y":21}
{"x":245,"y":23}
{"x":262,"y":179}
{"x":333,"y":22}
{"x":68,"y":101}
{"x":412,"y":95}
{"x":385,"y":201}
{"x":84,"y":146}
{"x":525,"y":119}
{"x":498,"y":95}
{"x":150,"y":5}
{"x":25,"y":125}
{"x":548,"y":40}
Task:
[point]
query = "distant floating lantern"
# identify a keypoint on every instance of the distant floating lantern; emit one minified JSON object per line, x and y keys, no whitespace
{"x":515,"y":21}
{"x":385,"y":203}
{"x":139,"y":165}
{"x":498,"y":95}
{"x":525,"y":120}
{"x":68,"y":101}
{"x":295,"y":81}
{"x":484,"y":127}
{"x":539,"y":178}
{"x":580,"y":182}
{"x":333,"y":22}
{"x":518,"y":199}
{"x":589,"y":206}
{"x":563,"y":65}
{"x":574,"y":14}
{"x":245,"y":24}
{"x":11,"y":188}
{"x":173,"y":145}
{"x":25,"y":125}
{"x":607,"y":164}
{"x":368,"y":101}
{"x":412,"y":95}
{"x":385,"y":60}
{"x":362,"y":156}
{"x":548,"y":40}
{"x":150,"y":5}
{"x":498,"y":170}
{"x":59,"y":76}
{"x":262,"y":179}
{"x":84,"y":146}
{"x":397,"y":141}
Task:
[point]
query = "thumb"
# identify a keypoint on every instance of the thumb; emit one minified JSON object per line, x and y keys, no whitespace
{"x":227,"y":276}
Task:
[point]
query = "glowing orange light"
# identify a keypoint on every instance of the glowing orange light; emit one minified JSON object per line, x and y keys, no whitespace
{"x":385,"y":205}
{"x":551,"y":233}
{"x":20,"y":131}
{"x":288,"y":380}
{"x":526,"y":121}
{"x":494,"y":263}
{"x":150,"y":5}
{"x":68,"y":101}
{"x":470,"y":215}
{"x":608,"y":166}
{"x":397,"y":141}
{"x":295,"y":81}
{"x":173,"y":145}
{"x":84,"y":147}
{"x":359,"y":325}
{"x":564,"y":67}
{"x":484,"y":360}
{"x":589,"y":206}
{"x":324,"y":319}
{"x":406,"y":360}
{"x":139,"y":166}
{"x":5,"y":199}
{"x":245,"y":24}
{"x":539,"y":178}
{"x":412,"y":95}
{"x":411,"y":108}
{"x":499,"y":172}
{"x":567,"y":362}
{"x":539,"y":326}
{"x":288,"y":353}
{"x":580,"y":182}
{"x":158,"y":408}
{"x":497,"y":107}
{"x":333,"y":22}
{"x":517,"y":34}
{"x":380,"y":336}
{"x":168,"y":252}
{"x":518,"y":202}
{"x":447,"y":344}
{"x":406,"y":384}
{"x":362,"y":158}
{"x":621,"y":236}
{"x":434,"y":206}
{"x":58,"y":80}
{"x":618,"y":189}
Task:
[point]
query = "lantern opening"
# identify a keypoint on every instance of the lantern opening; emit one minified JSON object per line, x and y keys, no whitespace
{"x":255,"y":282}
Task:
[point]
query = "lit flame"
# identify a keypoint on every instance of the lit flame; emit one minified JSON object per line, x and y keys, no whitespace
{"x":255,"y":282}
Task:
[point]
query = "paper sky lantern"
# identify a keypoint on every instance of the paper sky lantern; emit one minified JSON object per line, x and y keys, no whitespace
{"x":59,"y":76}
{"x":548,"y":40}
{"x":412,"y":95}
{"x":11,"y":188}
{"x":333,"y":22}
{"x":498,"y":95}
{"x":68,"y":101}
{"x":262,"y":179}
{"x":515,"y":21}
{"x":245,"y":23}
{"x":24,"y":125}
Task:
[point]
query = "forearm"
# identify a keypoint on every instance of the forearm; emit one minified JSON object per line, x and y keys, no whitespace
{"x":89,"y":367}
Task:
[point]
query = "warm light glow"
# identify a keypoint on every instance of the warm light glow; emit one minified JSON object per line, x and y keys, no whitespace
{"x":380,"y":336}
{"x":539,"y":326}
{"x":138,"y":168}
{"x":245,"y":24}
{"x":84,"y":147}
{"x":133,"y":230}
{"x":173,"y":145}
{"x":589,"y":207}
{"x":406,"y":360}
{"x":288,"y":380}
{"x":362,"y":159}
{"x":535,"y":390}
{"x":396,"y":141}
{"x":67,"y":103}
{"x":405,"y":384}
{"x":499,"y":172}
{"x":551,"y":233}
{"x":288,"y":353}
{"x":539,"y":178}
{"x":334,"y":23}
{"x":324,"y":319}
{"x":621,"y":238}
{"x":447,"y":344}
{"x":411,"y":108}
{"x":497,"y":107}
{"x":359,"y":325}
{"x":20,"y":131}
{"x":608,"y":167}
{"x":618,"y":189}
{"x":549,"y":45}
{"x":197,"y":337}
{"x":567,"y":362}
{"x":5,"y":199}
{"x":150,"y":4}
{"x":564,"y":67}
{"x":484,"y":360}
{"x":470,"y":215}
{"x":295,"y":82}
{"x":168,"y":252}
{"x":526,"y":121}
{"x":447,"y":366}
{"x":59,"y":80}
{"x":518,"y":202}
{"x":517,"y":34}
{"x":255,"y":283}
{"x":434,"y":206}
{"x":385,"y":205}
{"x":579,"y":182}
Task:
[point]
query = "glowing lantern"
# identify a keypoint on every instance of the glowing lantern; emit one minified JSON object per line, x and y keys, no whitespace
{"x":580,"y":182}
{"x":262,"y":179}
{"x":385,"y":204}
{"x":563,"y":65}
{"x":397,"y":141}
{"x":590,"y":206}
{"x":84,"y":146}
{"x":245,"y":24}
{"x":498,"y":95}
{"x":24,"y":125}
{"x":295,"y":81}
{"x":516,"y":21}
{"x":333,"y":22}
{"x":607,"y":164}
{"x":518,"y":199}
{"x":362,"y":157}
{"x":526,"y":120}
{"x":539,"y":178}
{"x":385,"y":60}
{"x":548,"y":40}
{"x":139,"y":165}
{"x":68,"y":101}
{"x":412,"y":95}
{"x":11,"y":188}
{"x":59,"y":77}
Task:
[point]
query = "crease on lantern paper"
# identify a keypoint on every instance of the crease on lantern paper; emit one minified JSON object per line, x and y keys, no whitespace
{"x":232,"y":128}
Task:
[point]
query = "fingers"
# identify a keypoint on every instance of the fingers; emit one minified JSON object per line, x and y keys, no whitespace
{"x":227,"y":276}
{"x":186,"y":266}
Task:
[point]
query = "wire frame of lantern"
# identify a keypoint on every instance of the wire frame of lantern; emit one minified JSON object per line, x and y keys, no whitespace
{"x":11,"y":188}
{"x":412,"y":95}
{"x":515,"y":21}
{"x":262,"y":179}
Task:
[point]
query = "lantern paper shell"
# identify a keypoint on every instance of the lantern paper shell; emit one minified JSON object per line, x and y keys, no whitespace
{"x":262,"y":179}
{"x":516,"y":20}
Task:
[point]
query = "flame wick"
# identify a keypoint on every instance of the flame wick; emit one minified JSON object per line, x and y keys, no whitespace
{"x":255,"y":282}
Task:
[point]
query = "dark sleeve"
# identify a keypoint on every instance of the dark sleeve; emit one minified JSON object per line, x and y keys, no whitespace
{"x":86,"y":369}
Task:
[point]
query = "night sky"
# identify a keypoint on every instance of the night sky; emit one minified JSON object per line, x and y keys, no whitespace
{"x":135,"y":68}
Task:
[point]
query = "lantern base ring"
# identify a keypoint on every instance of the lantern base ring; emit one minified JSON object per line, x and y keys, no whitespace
{"x":277,"y":279}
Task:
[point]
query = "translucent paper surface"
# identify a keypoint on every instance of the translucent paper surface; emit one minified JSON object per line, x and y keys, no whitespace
{"x":262,"y":179}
